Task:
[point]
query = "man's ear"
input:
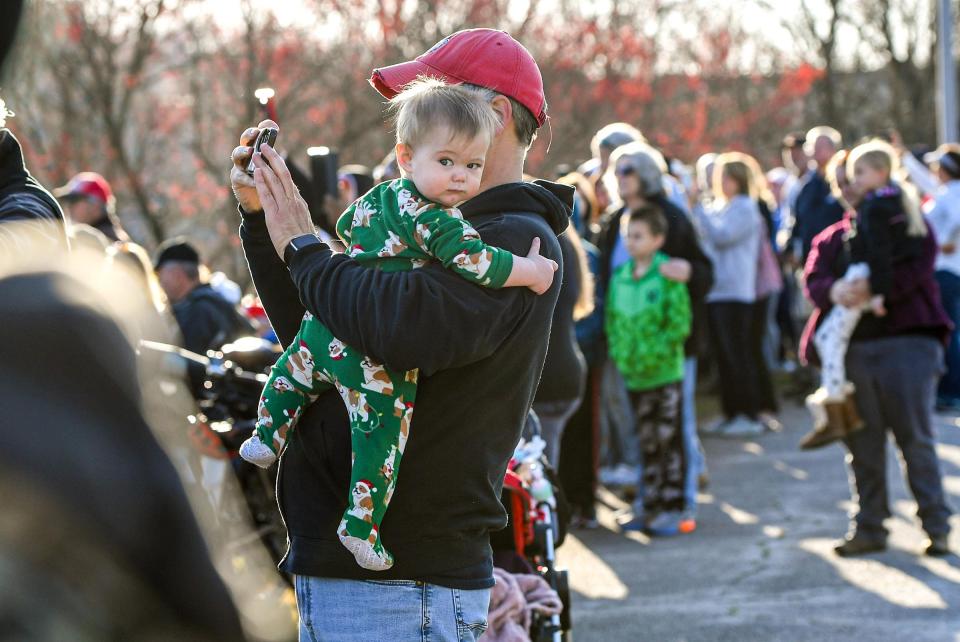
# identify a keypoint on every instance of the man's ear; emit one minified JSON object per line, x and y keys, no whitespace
{"x":404,"y":157}
{"x":504,"y":109}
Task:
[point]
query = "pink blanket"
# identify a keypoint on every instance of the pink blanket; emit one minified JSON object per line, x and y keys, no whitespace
{"x":512,"y":602}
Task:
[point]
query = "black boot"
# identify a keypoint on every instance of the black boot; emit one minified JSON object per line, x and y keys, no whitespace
{"x":938,"y":546}
{"x":860,"y":544}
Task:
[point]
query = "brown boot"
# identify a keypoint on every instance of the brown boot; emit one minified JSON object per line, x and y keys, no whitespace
{"x":829,"y":422}
{"x":852,"y":414}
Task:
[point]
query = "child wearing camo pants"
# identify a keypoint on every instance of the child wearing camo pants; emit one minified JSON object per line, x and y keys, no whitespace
{"x":443,"y":132}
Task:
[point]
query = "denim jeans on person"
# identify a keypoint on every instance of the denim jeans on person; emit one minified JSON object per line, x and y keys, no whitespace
{"x":895,"y":379}
{"x":617,"y":421}
{"x":949,"y":389}
{"x":338,"y":610}
{"x":692,"y":449}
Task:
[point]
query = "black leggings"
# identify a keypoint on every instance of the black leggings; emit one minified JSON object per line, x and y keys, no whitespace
{"x":766,"y":397}
{"x":732,"y":330}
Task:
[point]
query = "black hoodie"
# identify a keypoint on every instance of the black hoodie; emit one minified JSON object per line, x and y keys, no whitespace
{"x":23,"y":199}
{"x":480,"y":353}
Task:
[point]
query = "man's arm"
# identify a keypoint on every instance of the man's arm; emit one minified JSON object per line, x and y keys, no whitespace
{"x":687,"y":246}
{"x":922,"y":177}
{"x":428,"y":318}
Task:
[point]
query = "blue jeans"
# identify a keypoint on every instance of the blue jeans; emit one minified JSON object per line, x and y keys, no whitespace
{"x":692,"y":450}
{"x":621,"y":444}
{"x":338,"y":610}
{"x":949,"y":388}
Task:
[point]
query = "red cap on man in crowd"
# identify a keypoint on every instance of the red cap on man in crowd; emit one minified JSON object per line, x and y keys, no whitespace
{"x":86,"y":184}
{"x":484,"y":57}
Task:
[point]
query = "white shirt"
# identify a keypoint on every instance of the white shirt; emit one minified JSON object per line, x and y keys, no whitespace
{"x":944,"y":218}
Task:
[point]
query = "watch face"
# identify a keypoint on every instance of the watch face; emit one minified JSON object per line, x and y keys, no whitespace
{"x":298,"y":243}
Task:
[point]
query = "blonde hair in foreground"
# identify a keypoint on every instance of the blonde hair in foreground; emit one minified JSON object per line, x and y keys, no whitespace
{"x":881,"y":156}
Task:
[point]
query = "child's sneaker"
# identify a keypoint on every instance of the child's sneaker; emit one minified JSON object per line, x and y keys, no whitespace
{"x":670,"y":523}
{"x":633,"y":522}
{"x":742,"y":427}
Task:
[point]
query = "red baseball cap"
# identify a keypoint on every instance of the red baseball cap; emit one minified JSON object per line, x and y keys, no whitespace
{"x":86,"y":184}
{"x":484,"y":57}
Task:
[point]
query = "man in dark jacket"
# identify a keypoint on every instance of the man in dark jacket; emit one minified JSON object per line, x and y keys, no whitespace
{"x":816,"y":208}
{"x":206,"y":319}
{"x":480,"y":354}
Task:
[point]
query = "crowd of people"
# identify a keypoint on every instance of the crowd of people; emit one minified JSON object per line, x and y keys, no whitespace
{"x":669,"y":278}
{"x":747,"y":243}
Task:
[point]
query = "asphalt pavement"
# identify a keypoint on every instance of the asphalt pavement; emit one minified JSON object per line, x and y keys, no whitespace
{"x":760,"y":565}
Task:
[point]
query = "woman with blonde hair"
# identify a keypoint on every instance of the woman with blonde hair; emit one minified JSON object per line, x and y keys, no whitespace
{"x":732,"y":234}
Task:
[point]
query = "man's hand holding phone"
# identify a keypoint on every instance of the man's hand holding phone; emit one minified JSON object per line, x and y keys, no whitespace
{"x":286,"y":213}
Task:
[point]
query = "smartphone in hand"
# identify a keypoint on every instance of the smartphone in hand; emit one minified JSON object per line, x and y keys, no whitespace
{"x":267,"y":135}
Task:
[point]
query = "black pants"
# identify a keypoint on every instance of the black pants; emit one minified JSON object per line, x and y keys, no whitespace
{"x":732,"y":340}
{"x":580,"y":449}
{"x":766,"y":397}
{"x":659,"y":423}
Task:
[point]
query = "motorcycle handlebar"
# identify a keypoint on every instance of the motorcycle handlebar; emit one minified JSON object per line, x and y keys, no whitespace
{"x":177,"y":360}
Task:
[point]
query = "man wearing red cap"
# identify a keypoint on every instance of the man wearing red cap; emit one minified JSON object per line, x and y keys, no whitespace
{"x":480,"y":353}
{"x":90,"y":201}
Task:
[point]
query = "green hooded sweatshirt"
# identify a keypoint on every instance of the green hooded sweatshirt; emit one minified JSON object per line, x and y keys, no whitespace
{"x":647,"y":321}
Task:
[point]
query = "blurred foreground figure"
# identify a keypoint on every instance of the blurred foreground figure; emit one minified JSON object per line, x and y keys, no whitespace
{"x":22,"y":198}
{"x":97,"y":540}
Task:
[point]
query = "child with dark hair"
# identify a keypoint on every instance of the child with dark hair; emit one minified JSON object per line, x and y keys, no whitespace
{"x":647,"y":321}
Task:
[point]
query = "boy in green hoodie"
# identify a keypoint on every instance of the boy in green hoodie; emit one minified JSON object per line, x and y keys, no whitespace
{"x":647,"y":321}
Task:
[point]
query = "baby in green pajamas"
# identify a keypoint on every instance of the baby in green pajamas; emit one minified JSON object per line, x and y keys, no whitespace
{"x":443,"y":132}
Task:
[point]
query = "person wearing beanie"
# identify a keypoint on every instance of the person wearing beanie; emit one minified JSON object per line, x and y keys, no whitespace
{"x":206,"y":319}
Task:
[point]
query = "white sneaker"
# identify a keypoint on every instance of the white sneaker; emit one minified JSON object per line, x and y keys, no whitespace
{"x":715,"y":427}
{"x":619,"y":475}
{"x":741,"y":426}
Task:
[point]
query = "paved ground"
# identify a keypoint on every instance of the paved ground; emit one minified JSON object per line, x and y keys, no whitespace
{"x":760,"y":566}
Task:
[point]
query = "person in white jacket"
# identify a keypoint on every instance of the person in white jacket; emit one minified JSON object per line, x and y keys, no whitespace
{"x":942,"y":183}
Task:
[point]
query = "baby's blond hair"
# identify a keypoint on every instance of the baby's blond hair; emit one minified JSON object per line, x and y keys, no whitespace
{"x":880,"y":155}
{"x":428,"y":103}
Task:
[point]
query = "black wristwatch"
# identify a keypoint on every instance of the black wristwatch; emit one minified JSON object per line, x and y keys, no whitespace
{"x":296,"y":244}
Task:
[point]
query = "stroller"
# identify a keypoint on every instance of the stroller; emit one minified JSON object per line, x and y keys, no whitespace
{"x":538,"y":516}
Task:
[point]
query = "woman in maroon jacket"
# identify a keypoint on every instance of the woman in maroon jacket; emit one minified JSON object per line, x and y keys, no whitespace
{"x":894,"y":361}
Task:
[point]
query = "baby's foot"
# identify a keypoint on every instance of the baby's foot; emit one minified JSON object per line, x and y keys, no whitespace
{"x":257,"y":452}
{"x":369,"y":553}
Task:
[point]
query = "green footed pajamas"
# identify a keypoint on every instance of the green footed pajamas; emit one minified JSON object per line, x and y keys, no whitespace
{"x":380,"y":405}
{"x":392,"y":228}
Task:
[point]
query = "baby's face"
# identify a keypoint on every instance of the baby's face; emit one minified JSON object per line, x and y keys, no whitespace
{"x":447,"y":170}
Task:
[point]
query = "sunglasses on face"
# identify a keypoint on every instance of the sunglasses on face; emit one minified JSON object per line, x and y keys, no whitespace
{"x":624,"y":170}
